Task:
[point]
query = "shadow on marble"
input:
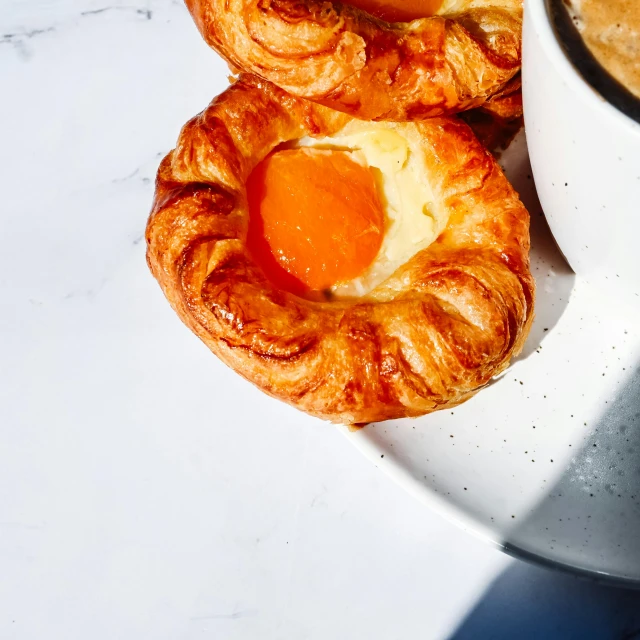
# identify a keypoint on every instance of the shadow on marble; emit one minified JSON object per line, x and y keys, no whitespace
{"x":531,"y":603}
{"x":591,"y":519}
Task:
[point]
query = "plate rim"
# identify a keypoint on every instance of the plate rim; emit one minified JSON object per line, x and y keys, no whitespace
{"x":461,"y":519}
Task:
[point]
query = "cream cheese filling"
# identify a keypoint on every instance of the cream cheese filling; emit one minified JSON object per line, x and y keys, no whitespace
{"x":413,"y":218}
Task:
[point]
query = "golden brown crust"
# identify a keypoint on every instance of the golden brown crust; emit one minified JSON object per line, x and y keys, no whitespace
{"x":346,"y":59}
{"x":427,"y":338}
{"x":499,"y":119}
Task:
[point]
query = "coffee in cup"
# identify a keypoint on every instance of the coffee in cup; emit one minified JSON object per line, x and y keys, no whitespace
{"x":602,"y":39}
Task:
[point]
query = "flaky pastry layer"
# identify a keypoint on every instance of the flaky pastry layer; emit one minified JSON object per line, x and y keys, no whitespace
{"x":499,"y":119}
{"x":427,"y":338}
{"x":346,"y":59}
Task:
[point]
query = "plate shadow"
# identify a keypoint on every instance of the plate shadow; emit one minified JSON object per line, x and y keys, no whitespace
{"x":532,"y":603}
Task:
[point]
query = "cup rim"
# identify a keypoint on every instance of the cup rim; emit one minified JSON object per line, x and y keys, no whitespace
{"x":541,"y":23}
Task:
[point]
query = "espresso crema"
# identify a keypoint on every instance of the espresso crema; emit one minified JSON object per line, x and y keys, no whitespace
{"x":611,"y":31}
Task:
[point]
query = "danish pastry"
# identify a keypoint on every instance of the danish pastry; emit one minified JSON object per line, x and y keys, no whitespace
{"x":346,"y":58}
{"x":443,"y":307}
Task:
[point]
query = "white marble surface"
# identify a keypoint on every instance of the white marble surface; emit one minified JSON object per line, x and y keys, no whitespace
{"x":138,"y":497}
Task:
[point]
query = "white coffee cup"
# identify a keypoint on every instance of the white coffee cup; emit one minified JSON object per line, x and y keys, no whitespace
{"x":585,"y":156}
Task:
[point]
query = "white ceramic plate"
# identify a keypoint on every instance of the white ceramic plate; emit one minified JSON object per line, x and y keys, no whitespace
{"x":545,"y":462}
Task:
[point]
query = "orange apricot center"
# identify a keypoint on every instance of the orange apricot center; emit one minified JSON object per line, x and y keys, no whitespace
{"x":398,"y":10}
{"x":315,"y":218}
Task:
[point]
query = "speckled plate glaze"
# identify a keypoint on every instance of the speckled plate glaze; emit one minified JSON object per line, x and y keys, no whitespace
{"x":545,"y":462}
